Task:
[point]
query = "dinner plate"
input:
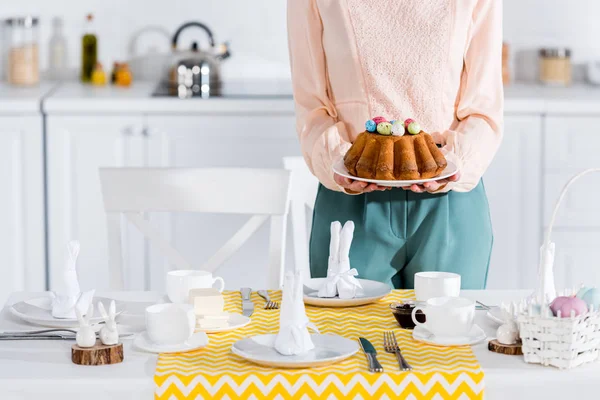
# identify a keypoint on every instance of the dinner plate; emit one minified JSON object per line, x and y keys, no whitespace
{"x":329,"y":349}
{"x":235,"y":321}
{"x":38,"y":311}
{"x":371,"y":292}
{"x":196,"y":341}
{"x":340,"y":169}
{"x":476,"y":335}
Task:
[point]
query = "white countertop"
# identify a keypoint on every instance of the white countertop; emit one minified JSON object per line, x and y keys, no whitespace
{"x":22,"y":100}
{"x":75,"y":98}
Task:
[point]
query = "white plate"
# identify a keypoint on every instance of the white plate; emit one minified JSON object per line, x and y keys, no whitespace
{"x":476,"y":335}
{"x":235,"y":321}
{"x":196,"y":341}
{"x":38,"y":311}
{"x":328,"y":349}
{"x":340,"y":169}
{"x":371,"y":292}
{"x":495,"y":314}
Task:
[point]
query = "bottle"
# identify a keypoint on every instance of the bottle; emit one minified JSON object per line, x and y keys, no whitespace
{"x":98,"y":76}
{"x":89,"y":50}
{"x":57,"y":57}
{"x":113,"y":76}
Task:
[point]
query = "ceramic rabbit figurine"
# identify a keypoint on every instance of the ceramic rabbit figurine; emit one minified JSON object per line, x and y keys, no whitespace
{"x":109,"y":334}
{"x":86,"y":336}
{"x":508,"y":333}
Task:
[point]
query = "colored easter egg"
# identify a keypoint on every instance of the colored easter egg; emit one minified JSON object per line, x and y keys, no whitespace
{"x":414,"y":128}
{"x":566,"y":304}
{"x":371,"y":126}
{"x":592,"y":298}
{"x":408,"y":121}
{"x":581,"y":292}
{"x":384,"y":128}
{"x":379,"y":120}
{"x":398,"y":128}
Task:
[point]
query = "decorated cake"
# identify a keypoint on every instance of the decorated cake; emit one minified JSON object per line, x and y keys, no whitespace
{"x":394,"y":150}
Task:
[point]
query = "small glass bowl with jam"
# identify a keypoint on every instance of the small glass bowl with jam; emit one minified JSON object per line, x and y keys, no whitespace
{"x":403,"y":314}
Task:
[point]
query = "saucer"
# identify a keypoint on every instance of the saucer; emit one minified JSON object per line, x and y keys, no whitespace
{"x":371,"y":292}
{"x":329,"y":349}
{"x":476,"y":335}
{"x":235,"y":321}
{"x":196,"y":341}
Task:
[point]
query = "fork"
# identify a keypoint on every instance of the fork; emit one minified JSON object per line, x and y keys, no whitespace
{"x":391,"y":346}
{"x":270,"y":305}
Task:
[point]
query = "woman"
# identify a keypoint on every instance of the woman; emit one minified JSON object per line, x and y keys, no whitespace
{"x":436,"y":61}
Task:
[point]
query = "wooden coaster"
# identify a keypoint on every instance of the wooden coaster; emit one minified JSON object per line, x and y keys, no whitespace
{"x":510,"y":349}
{"x":98,"y":354}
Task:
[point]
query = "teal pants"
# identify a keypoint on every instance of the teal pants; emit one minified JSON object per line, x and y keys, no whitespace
{"x":398,"y":233}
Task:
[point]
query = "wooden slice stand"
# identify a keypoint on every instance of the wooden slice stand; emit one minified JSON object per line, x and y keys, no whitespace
{"x":99,"y":354}
{"x":510,"y":349}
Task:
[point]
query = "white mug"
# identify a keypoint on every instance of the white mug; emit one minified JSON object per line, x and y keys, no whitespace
{"x":447,"y":316}
{"x":432,"y":284}
{"x":179,"y":283}
{"x":169,"y":324}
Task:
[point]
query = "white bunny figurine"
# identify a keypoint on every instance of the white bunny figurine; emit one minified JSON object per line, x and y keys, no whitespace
{"x":109,"y":334}
{"x":86,"y":336}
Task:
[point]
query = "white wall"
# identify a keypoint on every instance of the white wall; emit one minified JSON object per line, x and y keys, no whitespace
{"x":257,"y":32}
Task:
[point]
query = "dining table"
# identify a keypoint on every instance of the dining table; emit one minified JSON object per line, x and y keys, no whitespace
{"x":43,"y":369}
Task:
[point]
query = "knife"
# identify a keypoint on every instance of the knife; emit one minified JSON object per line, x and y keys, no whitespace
{"x":371,"y":354}
{"x":247,"y":304}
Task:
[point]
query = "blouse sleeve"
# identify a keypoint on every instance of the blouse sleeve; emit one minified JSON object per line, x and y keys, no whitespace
{"x":319,"y":130}
{"x":478,"y":133}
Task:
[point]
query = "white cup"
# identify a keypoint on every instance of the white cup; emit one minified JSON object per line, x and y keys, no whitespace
{"x":179,"y":283}
{"x":432,"y":284}
{"x":169,"y":324}
{"x":447,"y":316}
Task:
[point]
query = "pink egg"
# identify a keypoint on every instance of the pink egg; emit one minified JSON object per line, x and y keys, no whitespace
{"x":408,"y":121}
{"x":378,"y":120}
{"x":567,"y":304}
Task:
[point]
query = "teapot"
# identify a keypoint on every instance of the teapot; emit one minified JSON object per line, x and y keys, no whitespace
{"x":196,"y":72}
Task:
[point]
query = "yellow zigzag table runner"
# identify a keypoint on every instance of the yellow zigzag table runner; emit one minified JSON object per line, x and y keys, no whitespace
{"x":215,"y":373}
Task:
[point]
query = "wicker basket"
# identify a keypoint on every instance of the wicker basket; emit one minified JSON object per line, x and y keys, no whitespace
{"x":554,"y":341}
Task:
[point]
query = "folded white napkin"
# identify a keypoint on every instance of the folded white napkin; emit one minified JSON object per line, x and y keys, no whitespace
{"x":69,"y":296}
{"x":293,"y":337}
{"x":341,"y":279}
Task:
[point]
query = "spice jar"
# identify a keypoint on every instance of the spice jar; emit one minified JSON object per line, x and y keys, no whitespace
{"x":555,"y":66}
{"x":23,"y":58}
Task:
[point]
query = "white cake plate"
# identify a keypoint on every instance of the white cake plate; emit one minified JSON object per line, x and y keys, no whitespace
{"x":235,"y":321}
{"x":340,"y":169}
{"x":329,"y":349}
{"x":195,"y":342}
{"x":372,"y":291}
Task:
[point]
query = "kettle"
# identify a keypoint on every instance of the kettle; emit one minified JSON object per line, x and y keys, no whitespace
{"x":197,"y":72}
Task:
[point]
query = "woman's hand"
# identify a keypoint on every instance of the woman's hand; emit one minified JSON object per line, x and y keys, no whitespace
{"x":357,"y":187}
{"x":433,"y":186}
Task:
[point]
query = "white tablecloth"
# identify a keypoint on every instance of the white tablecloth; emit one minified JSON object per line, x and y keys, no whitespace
{"x":43,"y":369}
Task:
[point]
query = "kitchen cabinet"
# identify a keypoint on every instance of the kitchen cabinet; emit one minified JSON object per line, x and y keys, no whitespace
{"x":255,"y":141}
{"x":513,"y":185}
{"x":22,"y":204}
{"x":76,"y":147}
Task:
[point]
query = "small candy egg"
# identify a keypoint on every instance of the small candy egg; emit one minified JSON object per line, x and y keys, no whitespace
{"x":567,"y":304}
{"x":592,"y":298}
{"x":379,"y":120}
{"x":384,"y":128}
{"x":581,"y":292}
{"x":371,"y":126}
{"x":414,"y":128}
{"x":408,"y":121}
{"x":392,"y":122}
{"x":398,"y":128}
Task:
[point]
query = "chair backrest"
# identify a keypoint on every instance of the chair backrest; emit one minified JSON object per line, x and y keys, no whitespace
{"x":262,"y":193}
{"x":302,"y":198}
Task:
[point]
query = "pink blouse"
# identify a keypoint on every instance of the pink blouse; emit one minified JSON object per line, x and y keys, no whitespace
{"x":436,"y":61}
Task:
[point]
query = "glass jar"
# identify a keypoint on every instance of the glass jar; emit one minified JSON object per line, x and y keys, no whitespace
{"x":555,"y":66}
{"x":23,"y":54}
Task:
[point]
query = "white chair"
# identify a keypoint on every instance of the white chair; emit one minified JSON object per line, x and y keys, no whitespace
{"x":302,"y":199}
{"x":262,"y":193}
